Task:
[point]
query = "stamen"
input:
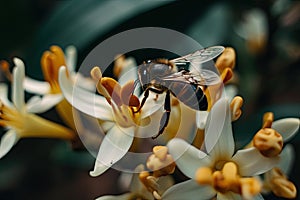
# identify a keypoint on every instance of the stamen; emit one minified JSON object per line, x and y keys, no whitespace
{"x":250,"y":187}
{"x":97,"y":76}
{"x":226,"y":59}
{"x":150,"y":182}
{"x":226,"y":75}
{"x":118,"y":65}
{"x":280,"y":185}
{"x":30,"y":125}
{"x":204,"y":176}
{"x":126,"y":95}
{"x":113,"y":88}
{"x":235,"y":107}
{"x":161,"y":162}
{"x":268,"y":119}
{"x":268,"y":141}
{"x":51,"y":61}
{"x":59,"y":56}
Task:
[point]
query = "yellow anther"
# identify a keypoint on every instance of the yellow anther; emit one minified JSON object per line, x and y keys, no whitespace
{"x":219,"y":182}
{"x":250,"y":187}
{"x":226,"y":75}
{"x":156,"y":195}
{"x":268,"y":119}
{"x":160,"y":162}
{"x":268,"y":141}
{"x":235,"y":107}
{"x":204,"y":176}
{"x":51,"y":61}
{"x":279,"y":184}
{"x":283,"y":188}
{"x":150,"y":182}
{"x":119,"y":65}
{"x":160,"y":152}
{"x":96,"y":74}
{"x":226,"y":59}
{"x":230,"y":171}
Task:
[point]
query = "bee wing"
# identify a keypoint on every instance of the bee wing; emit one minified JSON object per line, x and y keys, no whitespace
{"x":205,"y":77}
{"x":200,"y":56}
{"x":208,"y":77}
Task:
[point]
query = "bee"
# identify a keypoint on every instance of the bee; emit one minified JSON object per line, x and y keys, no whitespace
{"x":161,"y":75}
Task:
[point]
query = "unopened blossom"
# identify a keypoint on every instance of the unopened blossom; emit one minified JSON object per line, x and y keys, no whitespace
{"x":17,"y":117}
{"x":115,"y":110}
{"x":218,"y":172}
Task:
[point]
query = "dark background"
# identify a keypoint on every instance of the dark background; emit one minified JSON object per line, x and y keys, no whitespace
{"x":269,"y":79}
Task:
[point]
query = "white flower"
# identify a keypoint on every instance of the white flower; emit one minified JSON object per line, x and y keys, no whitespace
{"x":118,"y":120}
{"x":58,"y":59}
{"x":219,"y":160}
{"x":16,"y":115}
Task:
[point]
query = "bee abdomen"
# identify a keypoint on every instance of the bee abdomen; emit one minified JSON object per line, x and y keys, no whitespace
{"x":189,"y":94}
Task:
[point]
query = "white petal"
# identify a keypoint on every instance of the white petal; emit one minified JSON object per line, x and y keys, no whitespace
{"x":219,"y":142}
{"x":287,"y":157}
{"x":115,"y":197}
{"x":89,"y":131}
{"x":35,"y":86}
{"x":287,"y":127}
{"x":37,"y":104}
{"x":17,"y":84}
{"x":129,"y":72}
{"x":85,"y":101}
{"x":71,"y":58}
{"x":86,"y":83}
{"x":201,"y":117}
{"x":251,"y":162}
{"x":114,"y":146}
{"x":8,"y":140}
{"x":187,"y":157}
{"x":189,"y":190}
{"x":3,"y":95}
{"x":153,"y":125}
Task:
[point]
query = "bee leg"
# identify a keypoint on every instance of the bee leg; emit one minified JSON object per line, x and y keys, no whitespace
{"x":166,"y":115}
{"x":146,"y":95}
